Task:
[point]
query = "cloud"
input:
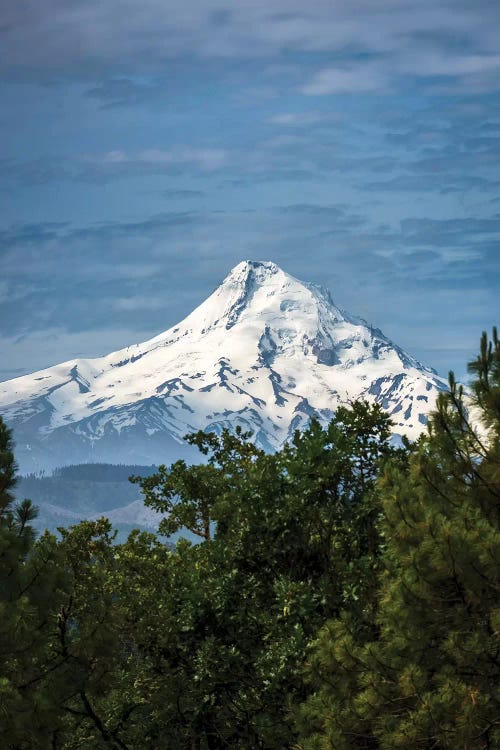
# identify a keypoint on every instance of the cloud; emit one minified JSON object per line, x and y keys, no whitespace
{"x":425,"y":183}
{"x":203,"y":158}
{"x":138,"y":302}
{"x":475,"y":73}
{"x":39,"y":171}
{"x":361,"y":79}
{"x":82,"y":291}
{"x":490,"y":127}
{"x":119,"y":163}
{"x":439,"y":231}
{"x":305,"y":119}
{"x":289,"y":156}
{"x":175,"y":194}
{"x":337,"y":216}
{"x":116,"y":164}
{"x":119,"y":92}
{"x":113,"y":38}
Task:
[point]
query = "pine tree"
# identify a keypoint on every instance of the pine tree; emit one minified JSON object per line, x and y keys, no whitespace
{"x":29,"y":583}
{"x":426,"y":673}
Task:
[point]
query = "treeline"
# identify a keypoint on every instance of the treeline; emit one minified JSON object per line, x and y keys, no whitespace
{"x":101,"y":472}
{"x":83,"y":488}
{"x":344,"y":594}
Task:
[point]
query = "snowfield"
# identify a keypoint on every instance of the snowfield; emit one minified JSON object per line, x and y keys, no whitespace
{"x":264,"y":351}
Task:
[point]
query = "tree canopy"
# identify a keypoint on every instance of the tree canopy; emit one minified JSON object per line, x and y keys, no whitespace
{"x":343,"y":594}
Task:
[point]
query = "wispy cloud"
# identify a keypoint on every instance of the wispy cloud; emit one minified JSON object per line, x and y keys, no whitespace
{"x":150,"y":161}
{"x":442,"y":71}
{"x":124,"y":267}
{"x":117,"y":92}
{"x":181,"y":194}
{"x":346,"y":81}
{"x":305,"y":119}
{"x":61,"y":38}
{"x":115,"y":164}
{"x":427,"y":183}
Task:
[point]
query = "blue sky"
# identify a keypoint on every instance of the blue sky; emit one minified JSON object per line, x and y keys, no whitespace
{"x":146,"y":148}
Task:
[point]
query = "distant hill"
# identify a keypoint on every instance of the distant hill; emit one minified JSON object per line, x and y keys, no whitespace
{"x":102,"y":472}
{"x":79,"y":491}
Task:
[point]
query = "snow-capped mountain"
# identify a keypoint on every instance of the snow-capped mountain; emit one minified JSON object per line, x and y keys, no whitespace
{"x":264,"y":351}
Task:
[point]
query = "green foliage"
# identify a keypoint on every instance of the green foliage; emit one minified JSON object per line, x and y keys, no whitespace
{"x":29,"y":589}
{"x":344,"y":594}
{"x":289,"y":538}
{"x":426,"y":674}
{"x":190,"y":495}
{"x":7,"y":468}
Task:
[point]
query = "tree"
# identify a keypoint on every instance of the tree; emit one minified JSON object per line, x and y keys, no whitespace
{"x":189,"y":495}
{"x":426,"y":673}
{"x":29,"y":586}
{"x":289,"y":539}
{"x":56,"y":646}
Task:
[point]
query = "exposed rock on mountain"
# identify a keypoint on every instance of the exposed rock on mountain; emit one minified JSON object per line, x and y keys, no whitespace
{"x":264,"y":351}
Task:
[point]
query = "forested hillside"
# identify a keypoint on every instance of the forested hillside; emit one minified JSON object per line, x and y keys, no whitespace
{"x":344,"y":594}
{"x":73,"y":493}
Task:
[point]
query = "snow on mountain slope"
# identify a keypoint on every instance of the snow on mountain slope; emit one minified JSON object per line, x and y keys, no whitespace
{"x":264,"y":351}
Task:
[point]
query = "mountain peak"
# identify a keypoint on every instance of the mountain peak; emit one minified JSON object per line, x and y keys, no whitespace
{"x":265,"y":351}
{"x":252,"y":271}
{"x":264,"y":272}
{"x":262,"y":266}
{"x":251,"y":289}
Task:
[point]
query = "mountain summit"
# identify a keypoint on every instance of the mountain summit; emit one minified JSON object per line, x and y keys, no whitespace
{"x":264,"y":351}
